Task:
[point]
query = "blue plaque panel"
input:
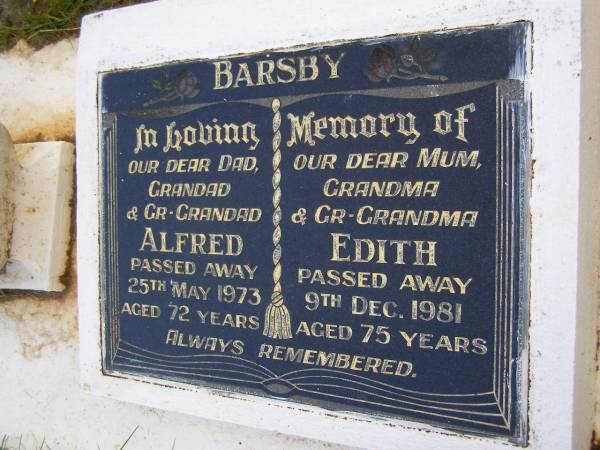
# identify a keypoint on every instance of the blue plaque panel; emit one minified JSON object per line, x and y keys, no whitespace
{"x":342,"y":225}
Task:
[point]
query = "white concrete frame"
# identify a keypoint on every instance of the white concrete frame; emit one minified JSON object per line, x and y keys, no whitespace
{"x":564,"y":195}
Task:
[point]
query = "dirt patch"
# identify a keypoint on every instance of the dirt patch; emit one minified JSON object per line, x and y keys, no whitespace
{"x":37,"y":92}
{"x":42,"y":321}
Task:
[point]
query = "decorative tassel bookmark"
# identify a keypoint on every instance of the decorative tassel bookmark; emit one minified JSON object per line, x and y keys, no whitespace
{"x":277,"y":317}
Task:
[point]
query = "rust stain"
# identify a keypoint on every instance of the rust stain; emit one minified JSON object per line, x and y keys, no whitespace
{"x":595,"y":444}
{"x":69,"y":277}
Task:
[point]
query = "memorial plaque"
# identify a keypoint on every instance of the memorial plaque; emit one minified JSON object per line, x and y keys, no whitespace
{"x":340,"y":225}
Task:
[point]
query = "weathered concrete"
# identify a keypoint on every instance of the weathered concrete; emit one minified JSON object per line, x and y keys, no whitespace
{"x":37,"y":92}
{"x":39,"y":388}
{"x":41,"y":398}
{"x":41,"y":201}
{"x":7,"y":169}
{"x":563,"y":222}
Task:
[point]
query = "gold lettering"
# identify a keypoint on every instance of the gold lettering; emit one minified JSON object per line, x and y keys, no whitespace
{"x":223,"y":68}
{"x":333,"y":65}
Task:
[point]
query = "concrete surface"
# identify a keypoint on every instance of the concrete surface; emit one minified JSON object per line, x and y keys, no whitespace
{"x":41,"y":401}
{"x":40,"y":397}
